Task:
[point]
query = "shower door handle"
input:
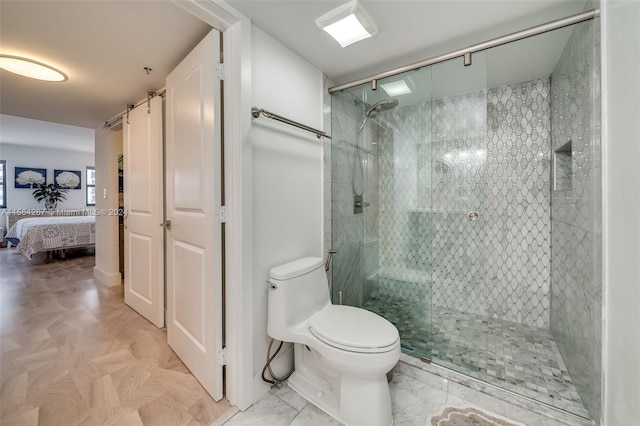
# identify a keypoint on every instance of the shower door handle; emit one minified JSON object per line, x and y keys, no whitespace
{"x":473,"y":216}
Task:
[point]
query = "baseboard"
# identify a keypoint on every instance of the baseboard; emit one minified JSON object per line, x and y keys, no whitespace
{"x":110,"y":280}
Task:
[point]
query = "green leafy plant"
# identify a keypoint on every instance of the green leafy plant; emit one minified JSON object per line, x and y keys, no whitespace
{"x":50,"y":194}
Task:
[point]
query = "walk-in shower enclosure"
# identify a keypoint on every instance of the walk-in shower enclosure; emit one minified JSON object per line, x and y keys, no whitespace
{"x":467,"y":212}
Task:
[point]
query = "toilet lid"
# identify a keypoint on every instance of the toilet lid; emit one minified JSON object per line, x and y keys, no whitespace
{"x":353,"y":329}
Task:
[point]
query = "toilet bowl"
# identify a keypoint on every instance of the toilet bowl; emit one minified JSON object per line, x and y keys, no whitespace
{"x":341,"y":353}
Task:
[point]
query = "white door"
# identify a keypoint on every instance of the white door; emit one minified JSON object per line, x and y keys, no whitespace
{"x":143,"y":203}
{"x":194,"y":249}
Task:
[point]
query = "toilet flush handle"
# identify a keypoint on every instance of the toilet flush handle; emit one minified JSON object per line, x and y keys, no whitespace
{"x":271,"y":285}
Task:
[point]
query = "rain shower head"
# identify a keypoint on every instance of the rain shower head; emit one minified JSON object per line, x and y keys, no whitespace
{"x":383,"y":105}
{"x":377,"y":108}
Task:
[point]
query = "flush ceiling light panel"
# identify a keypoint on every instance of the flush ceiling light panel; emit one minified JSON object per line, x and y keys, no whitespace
{"x":30,"y":68}
{"x":396,"y":88}
{"x":348,"y":23}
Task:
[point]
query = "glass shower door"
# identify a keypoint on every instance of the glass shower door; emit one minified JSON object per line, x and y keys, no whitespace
{"x":350,"y":154}
{"x":381,"y":159}
{"x":403,"y":293}
{"x":458,"y":204}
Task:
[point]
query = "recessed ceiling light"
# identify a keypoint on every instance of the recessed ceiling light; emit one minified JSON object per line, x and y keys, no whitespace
{"x":348,"y":23}
{"x":396,"y":88}
{"x":30,"y":68}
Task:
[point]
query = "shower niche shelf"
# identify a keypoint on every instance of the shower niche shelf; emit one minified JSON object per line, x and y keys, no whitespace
{"x":562,"y":167}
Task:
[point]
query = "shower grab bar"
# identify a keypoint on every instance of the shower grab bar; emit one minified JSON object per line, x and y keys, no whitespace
{"x":255,"y":113}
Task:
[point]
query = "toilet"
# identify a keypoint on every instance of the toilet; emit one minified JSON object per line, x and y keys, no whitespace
{"x":341,"y":353}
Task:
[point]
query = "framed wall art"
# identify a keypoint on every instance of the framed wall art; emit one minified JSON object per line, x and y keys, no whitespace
{"x":30,"y":177}
{"x":67,"y":179}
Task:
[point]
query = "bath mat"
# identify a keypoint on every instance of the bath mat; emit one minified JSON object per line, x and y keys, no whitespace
{"x":468,"y":416}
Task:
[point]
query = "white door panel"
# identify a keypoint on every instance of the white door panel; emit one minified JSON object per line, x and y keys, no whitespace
{"x":141,"y":248}
{"x":189,"y":264}
{"x":194,"y":271}
{"x":143,"y":202}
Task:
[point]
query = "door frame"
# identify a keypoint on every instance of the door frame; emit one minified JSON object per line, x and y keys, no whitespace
{"x":238,"y":313}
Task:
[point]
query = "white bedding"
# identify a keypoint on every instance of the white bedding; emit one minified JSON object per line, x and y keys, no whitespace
{"x":35,"y":235}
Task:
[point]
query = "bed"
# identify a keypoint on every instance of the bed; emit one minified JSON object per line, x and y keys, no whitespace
{"x":46,"y":234}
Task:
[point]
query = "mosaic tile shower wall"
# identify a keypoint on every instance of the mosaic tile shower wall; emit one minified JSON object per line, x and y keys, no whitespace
{"x":405,"y":196}
{"x":576,"y":213}
{"x":457,"y":169}
{"x":517,"y":203}
{"x":484,"y":152}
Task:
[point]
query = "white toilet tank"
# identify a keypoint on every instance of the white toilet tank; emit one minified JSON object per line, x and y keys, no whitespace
{"x":297,"y":290}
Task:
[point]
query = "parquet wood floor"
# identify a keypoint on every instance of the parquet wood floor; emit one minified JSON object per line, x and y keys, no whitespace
{"x":72,"y":353}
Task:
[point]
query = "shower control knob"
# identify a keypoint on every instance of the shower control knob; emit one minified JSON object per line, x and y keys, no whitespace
{"x":473,"y":216}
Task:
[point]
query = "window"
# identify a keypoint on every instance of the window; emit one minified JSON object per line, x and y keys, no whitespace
{"x":3,"y":184}
{"x":91,"y":186}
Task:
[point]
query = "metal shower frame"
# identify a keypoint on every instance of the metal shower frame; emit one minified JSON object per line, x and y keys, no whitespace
{"x":468,"y":51}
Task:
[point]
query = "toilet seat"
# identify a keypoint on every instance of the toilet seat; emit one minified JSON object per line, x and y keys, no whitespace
{"x":353,"y":329}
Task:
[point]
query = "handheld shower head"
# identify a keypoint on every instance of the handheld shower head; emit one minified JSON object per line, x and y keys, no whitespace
{"x":357,"y":175}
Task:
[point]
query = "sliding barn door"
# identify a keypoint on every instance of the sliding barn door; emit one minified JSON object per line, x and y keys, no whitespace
{"x":143,"y":201}
{"x":194,"y":272}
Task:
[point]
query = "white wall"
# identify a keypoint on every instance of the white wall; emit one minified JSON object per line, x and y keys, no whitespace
{"x":621,"y":193}
{"x":44,"y":158}
{"x":287,"y":176}
{"x":108,"y":147}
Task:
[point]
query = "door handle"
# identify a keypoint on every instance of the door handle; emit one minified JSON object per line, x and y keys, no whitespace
{"x":166,"y":224}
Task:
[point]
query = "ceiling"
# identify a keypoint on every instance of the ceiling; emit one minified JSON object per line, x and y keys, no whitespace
{"x":103,"y":46}
{"x":45,"y":134}
{"x":410,"y":31}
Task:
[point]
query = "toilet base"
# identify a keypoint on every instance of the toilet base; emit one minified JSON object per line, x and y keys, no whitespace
{"x":353,"y":401}
{"x":326,"y":401}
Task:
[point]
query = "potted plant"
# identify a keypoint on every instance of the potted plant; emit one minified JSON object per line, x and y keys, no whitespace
{"x":50,"y":194}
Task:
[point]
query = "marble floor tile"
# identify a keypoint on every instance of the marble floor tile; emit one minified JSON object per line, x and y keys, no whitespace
{"x":311,"y":415}
{"x":289,"y":396}
{"x":415,"y":397}
{"x":270,"y":410}
{"x":413,"y":402}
